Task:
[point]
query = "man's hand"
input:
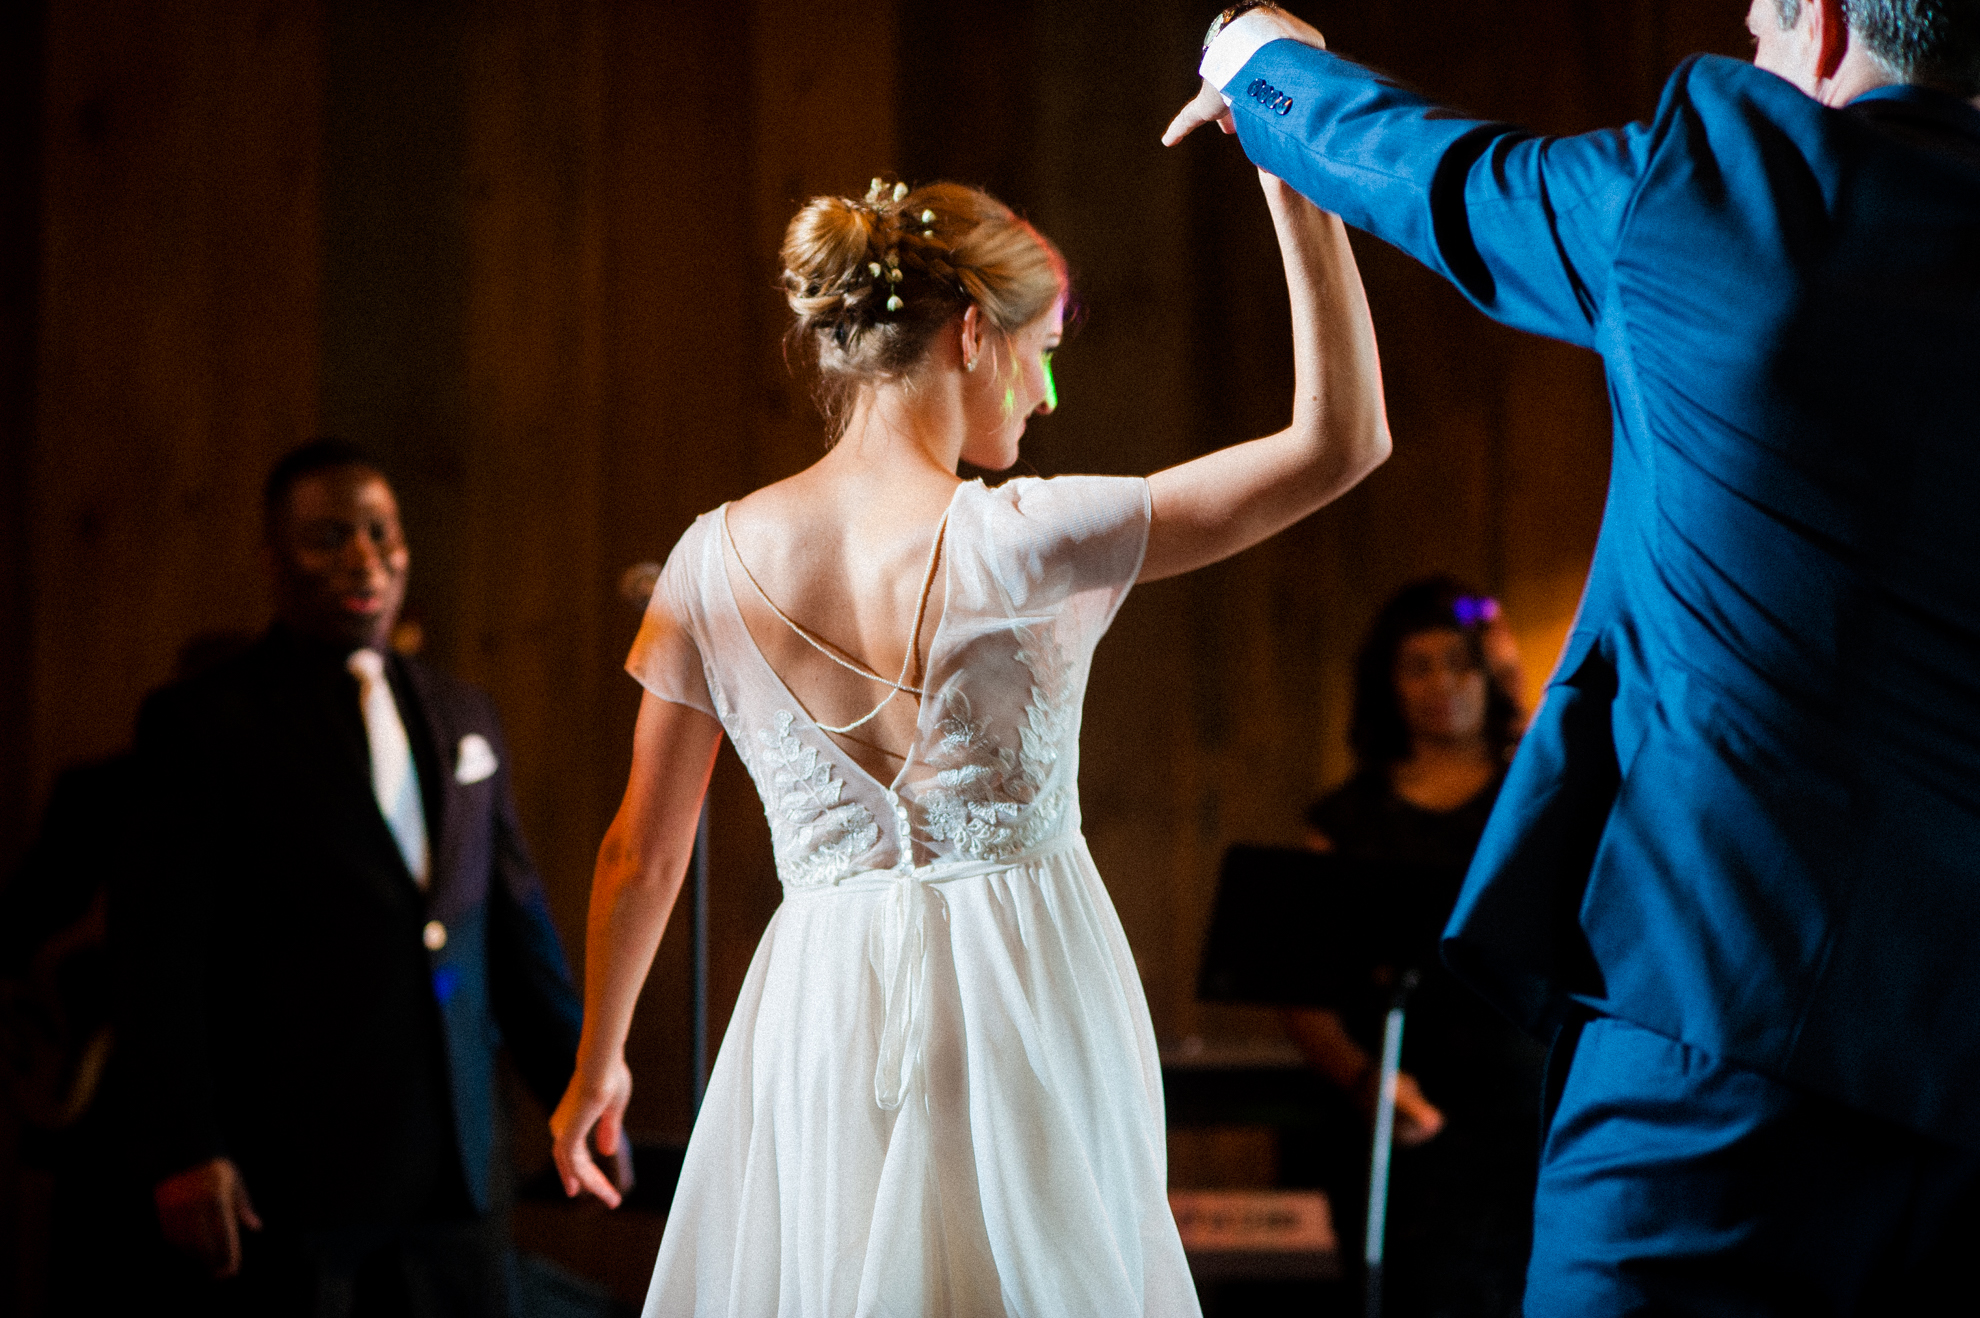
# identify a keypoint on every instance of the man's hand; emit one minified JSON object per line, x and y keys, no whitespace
{"x":595,"y":1107}
{"x":202,"y":1210}
{"x":1206,"y":107}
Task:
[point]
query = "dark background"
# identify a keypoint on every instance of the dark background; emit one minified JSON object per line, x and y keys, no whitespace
{"x":527,"y":252}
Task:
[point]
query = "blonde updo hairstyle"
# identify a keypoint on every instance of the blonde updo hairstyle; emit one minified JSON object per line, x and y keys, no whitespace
{"x":873,"y":281}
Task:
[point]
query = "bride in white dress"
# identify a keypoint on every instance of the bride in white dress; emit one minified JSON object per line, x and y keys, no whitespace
{"x":939,"y":1092}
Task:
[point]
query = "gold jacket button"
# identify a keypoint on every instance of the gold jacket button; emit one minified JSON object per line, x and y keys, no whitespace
{"x":434,"y":935}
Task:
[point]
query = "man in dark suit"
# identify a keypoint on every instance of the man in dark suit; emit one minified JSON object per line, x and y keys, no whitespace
{"x":1736,"y":854}
{"x":337,"y":925}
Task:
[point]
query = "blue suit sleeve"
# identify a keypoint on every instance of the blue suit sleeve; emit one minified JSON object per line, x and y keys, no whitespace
{"x":1526,"y":226}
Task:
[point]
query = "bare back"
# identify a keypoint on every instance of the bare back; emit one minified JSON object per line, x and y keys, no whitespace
{"x":846,"y":561}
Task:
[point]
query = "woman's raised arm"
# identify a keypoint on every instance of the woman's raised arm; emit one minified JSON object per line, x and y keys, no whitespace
{"x":1224,"y":502}
{"x":640,"y":866}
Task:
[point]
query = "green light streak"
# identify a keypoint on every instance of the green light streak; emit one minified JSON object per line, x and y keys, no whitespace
{"x":1051,"y":385}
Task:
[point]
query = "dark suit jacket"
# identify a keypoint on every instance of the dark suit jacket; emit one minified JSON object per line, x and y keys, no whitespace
{"x":282,"y":1006}
{"x":1748,"y":814}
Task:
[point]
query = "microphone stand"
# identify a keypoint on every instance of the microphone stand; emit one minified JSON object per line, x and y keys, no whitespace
{"x":1385,"y":1129}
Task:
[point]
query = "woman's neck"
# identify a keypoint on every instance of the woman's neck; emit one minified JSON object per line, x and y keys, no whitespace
{"x":902,"y":427}
{"x":1442,"y":773}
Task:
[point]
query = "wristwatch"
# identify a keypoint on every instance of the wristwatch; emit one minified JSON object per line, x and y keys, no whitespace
{"x":1225,"y":19}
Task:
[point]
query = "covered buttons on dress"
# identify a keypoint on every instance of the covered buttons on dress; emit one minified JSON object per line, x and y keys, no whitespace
{"x":903,"y":830}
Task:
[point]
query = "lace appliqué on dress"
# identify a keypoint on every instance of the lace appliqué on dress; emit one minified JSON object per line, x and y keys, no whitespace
{"x":823,"y":837}
{"x":987,"y":801}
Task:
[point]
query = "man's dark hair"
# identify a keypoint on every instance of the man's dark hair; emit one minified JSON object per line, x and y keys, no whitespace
{"x":1935,"y":43}
{"x":1377,"y":732}
{"x":306,"y":460}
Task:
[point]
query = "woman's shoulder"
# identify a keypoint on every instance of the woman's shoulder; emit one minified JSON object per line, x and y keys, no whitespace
{"x":674,"y":638}
{"x":684,"y":577}
{"x":1048,"y":500}
{"x":773,"y":509}
{"x":705,"y":530}
{"x":1097,"y":526}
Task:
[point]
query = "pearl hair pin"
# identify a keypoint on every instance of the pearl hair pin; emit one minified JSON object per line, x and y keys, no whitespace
{"x":889,"y":270}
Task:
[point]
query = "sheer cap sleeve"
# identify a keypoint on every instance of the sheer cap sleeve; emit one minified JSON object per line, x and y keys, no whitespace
{"x":1070,"y":544}
{"x":666,"y":656}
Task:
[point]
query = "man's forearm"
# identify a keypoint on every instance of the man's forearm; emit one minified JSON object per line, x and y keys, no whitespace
{"x":1356,"y":144}
{"x":1524,"y":225}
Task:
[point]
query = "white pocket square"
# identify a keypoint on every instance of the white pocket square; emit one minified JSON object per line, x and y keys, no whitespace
{"x":476,"y":759}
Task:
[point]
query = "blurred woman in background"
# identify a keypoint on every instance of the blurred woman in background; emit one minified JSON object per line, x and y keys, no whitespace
{"x":1434,"y":723}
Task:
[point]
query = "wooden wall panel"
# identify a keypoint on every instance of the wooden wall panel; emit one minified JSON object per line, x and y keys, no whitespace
{"x":23,"y":1198}
{"x":20,"y":271}
{"x":177,"y":338}
{"x":533,"y":593}
{"x":20,"y":277}
{"x":394,"y":272}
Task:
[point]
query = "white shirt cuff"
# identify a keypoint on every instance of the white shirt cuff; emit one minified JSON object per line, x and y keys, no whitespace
{"x":1241,"y":39}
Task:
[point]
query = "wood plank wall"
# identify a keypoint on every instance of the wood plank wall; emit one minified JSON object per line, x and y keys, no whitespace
{"x":176,"y":343}
{"x":20,"y":272}
{"x":20,"y":275}
{"x":527,"y":250}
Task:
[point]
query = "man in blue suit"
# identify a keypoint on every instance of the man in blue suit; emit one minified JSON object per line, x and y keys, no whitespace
{"x":1735,"y":870}
{"x":332,"y":927}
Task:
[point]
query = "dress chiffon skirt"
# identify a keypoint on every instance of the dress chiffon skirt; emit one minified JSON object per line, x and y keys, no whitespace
{"x":939,"y":1095}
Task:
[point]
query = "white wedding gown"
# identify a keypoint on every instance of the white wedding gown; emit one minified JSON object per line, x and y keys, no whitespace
{"x":939,"y":1093}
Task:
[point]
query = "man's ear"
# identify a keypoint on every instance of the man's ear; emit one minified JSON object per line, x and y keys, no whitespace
{"x":1831,"y":36}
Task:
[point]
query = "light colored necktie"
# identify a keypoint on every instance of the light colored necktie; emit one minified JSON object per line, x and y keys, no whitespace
{"x":394,"y":778}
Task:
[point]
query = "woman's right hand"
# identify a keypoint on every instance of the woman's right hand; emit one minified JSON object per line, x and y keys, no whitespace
{"x":641,"y":864}
{"x":594,"y":1106}
{"x":1418,"y":1120}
